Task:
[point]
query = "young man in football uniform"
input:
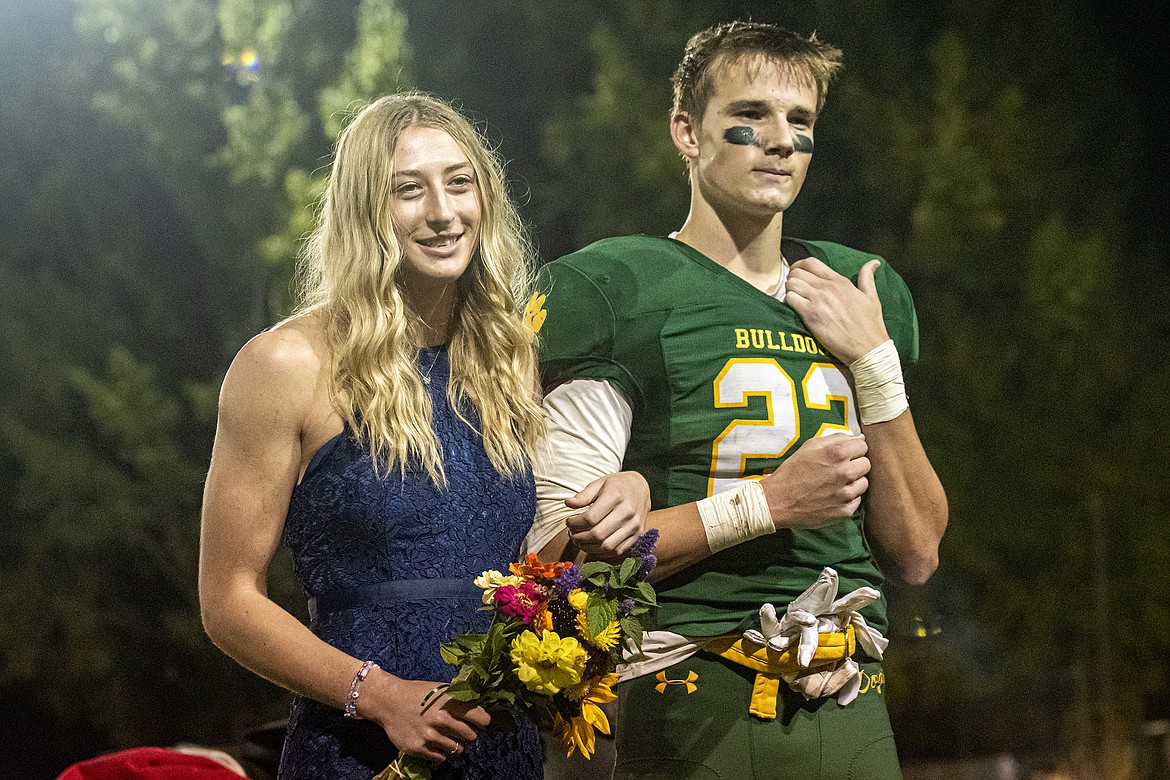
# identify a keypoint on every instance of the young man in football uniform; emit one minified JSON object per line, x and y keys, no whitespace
{"x":755,"y":381}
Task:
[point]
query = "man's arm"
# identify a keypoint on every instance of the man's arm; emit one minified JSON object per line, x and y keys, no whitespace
{"x":586,"y":438}
{"x":906,"y":508}
{"x":578,"y":486}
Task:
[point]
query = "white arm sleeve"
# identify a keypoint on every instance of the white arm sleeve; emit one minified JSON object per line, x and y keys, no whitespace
{"x":587,"y":433}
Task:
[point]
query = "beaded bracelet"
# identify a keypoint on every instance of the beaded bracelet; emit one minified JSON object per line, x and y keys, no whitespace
{"x":351,"y":700}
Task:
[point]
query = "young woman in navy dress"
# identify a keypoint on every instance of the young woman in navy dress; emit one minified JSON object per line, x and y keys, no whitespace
{"x":385,"y":433}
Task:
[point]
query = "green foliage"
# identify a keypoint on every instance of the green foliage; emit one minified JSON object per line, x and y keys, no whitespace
{"x":375,"y":64}
{"x":600,"y":611}
{"x":600,"y":138}
{"x":609,"y":586}
{"x":106,"y":574}
{"x":143,"y":251}
{"x":485,"y":672}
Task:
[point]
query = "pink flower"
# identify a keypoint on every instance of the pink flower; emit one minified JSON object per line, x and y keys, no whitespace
{"x":524,"y":601}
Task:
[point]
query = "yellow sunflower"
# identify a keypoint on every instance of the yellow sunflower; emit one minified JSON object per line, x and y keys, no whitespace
{"x":578,"y":732}
{"x":607,"y":638}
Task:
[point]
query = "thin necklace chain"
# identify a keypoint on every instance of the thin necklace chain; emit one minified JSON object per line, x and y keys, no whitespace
{"x":426,"y":377}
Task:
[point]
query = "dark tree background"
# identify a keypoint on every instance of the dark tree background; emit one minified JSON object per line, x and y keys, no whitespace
{"x":161,"y":161}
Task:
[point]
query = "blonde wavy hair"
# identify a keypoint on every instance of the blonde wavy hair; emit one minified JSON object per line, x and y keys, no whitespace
{"x":351,"y":273}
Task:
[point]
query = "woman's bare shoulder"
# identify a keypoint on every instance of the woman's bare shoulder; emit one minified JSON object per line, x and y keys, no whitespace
{"x":283,"y":365}
{"x":295,"y":345}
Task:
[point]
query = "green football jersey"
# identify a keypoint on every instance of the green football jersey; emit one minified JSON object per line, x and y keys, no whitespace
{"x":725,"y":382}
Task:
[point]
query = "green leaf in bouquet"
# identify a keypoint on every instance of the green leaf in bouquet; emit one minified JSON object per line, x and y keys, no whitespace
{"x":504,"y":695}
{"x":474,"y":641}
{"x":452,"y":654}
{"x":469,"y":643}
{"x":632,"y":630}
{"x":497,"y":639}
{"x":630,"y":567}
{"x":596,"y":572}
{"x":487,"y":699}
{"x":462,"y":691}
{"x":500,"y":677}
{"x":477,"y":668}
{"x":646,"y":594}
{"x":599,"y":612}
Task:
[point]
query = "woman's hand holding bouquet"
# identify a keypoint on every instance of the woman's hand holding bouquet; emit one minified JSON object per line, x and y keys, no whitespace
{"x":555,"y":639}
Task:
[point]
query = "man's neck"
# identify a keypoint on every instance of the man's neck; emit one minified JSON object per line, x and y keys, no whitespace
{"x":749,"y":248}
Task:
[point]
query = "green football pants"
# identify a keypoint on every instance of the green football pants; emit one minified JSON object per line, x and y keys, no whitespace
{"x":691,"y":722}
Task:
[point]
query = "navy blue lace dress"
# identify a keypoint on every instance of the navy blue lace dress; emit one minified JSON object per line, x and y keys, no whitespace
{"x":388,"y":566}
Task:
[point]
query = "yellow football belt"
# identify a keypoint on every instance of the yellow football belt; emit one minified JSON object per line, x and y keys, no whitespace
{"x":769,"y":664}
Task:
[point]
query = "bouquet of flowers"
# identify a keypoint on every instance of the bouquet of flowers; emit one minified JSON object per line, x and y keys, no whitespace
{"x":556,"y":636}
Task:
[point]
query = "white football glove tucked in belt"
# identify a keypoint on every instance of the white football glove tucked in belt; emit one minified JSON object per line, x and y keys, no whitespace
{"x":818,"y":611}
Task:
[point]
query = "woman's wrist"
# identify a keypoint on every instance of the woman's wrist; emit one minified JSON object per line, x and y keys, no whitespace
{"x":350,"y":705}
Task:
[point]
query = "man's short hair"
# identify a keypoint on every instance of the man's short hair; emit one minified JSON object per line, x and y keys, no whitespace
{"x":713,"y":49}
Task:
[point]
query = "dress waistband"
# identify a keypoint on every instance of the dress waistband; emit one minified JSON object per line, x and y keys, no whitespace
{"x":391,"y":591}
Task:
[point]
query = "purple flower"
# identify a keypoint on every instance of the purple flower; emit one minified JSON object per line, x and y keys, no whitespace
{"x":644,"y":549}
{"x":625,"y":606}
{"x":649,"y":563}
{"x":645,"y":543}
{"x":566,"y":581}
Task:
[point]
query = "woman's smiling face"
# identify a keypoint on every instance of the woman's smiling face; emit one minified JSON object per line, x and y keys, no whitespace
{"x":435,"y":207}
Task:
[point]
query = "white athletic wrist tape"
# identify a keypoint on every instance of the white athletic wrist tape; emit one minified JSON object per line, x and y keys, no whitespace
{"x":736,"y":515}
{"x":877,"y":377}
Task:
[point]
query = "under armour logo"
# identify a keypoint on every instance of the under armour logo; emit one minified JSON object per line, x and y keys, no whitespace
{"x":689,"y":682}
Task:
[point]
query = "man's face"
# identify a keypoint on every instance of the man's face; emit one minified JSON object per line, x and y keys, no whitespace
{"x":753,"y":146}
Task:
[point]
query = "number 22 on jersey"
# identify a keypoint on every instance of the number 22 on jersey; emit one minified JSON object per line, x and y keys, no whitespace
{"x":773,"y":436}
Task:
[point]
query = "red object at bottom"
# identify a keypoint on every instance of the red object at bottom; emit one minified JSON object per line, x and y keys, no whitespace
{"x":148,"y":763}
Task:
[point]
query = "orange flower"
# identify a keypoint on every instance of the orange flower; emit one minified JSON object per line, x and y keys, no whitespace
{"x":533,"y":568}
{"x":546,"y":620}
